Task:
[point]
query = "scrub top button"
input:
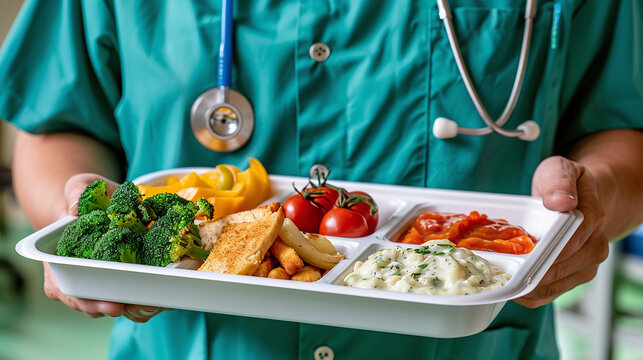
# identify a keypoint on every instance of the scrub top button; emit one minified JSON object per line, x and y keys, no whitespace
{"x":324,"y":353}
{"x":319,"y":52}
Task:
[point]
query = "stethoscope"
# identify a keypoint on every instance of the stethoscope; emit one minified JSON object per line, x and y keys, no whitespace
{"x":222,"y":119}
{"x":529,"y":130}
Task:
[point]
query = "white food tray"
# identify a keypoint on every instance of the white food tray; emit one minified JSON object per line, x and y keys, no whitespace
{"x":328,"y":301}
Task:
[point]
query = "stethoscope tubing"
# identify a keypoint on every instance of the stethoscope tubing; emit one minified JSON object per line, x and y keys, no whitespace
{"x":225,"y":49}
{"x":446,"y":16}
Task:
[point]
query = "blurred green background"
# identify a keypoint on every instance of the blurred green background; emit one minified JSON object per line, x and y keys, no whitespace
{"x":600,"y":320}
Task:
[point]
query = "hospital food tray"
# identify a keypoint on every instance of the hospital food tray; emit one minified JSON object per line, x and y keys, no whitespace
{"x":328,"y":301}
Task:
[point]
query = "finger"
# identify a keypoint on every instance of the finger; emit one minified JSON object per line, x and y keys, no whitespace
{"x":543,"y":295}
{"x":76,"y":185}
{"x":89,"y":306}
{"x":555,"y":181}
{"x":593,"y":216}
{"x":93,"y":308}
{"x":593,"y":253}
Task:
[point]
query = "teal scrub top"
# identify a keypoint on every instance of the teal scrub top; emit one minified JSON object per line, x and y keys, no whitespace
{"x":127,"y":72}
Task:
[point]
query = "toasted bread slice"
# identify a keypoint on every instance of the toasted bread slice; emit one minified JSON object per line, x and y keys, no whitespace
{"x":239,"y":241}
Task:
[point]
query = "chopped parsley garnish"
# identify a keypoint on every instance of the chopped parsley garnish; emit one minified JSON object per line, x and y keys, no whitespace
{"x":451,"y":247}
{"x":422,"y":266}
{"x":424,"y":250}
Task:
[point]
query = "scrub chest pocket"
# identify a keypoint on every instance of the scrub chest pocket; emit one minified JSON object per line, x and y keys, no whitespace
{"x":490,"y":41}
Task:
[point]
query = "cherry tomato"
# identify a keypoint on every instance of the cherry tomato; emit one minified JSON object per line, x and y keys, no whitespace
{"x":303,"y":213}
{"x":324,"y":196}
{"x":343,"y":222}
{"x":365,"y":209}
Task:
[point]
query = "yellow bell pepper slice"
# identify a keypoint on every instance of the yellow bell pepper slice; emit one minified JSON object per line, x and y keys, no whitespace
{"x":193,"y":193}
{"x":192,"y":180}
{"x":261,"y":174}
{"x":226,"y":205}
{"x":211,"y":178}
{"x":253,"y":190}
{"x":257,"y":184}
{"x":148,"y":191}
{"x":226,"y":187}
{"x":171,"y":180}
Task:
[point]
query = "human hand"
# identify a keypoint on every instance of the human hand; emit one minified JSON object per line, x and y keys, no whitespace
{"x":93,"y":308}
{"x":565,"y":185}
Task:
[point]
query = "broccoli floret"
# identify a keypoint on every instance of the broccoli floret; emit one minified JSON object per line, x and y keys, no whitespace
{"x":93,"y":197}
{"x":146,"y":213}
{"x":79,"y":238}
{"x":172,"y":236}
{"x":124,"y":209}
{"x":205,"y":208}
{"x":161,"y":203}
{"x":121,"y":244}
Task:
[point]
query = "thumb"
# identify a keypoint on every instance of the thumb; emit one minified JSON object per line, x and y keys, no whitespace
{"x":76,"y":185}
{"x":555,"y":181}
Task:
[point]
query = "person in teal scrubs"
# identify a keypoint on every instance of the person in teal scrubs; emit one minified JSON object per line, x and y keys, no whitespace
{"x":104,"y":89}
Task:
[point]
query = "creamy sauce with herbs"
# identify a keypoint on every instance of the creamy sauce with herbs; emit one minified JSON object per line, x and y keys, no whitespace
{"x":437,"y":268}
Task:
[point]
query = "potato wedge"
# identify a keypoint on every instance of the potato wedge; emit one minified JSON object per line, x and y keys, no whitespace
{"x":292,"y":237}
{"x":321,"y":243}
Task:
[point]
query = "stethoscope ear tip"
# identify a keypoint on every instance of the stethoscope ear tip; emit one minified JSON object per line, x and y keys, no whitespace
{"x":444,"y":128}
{"x":530,"y":130}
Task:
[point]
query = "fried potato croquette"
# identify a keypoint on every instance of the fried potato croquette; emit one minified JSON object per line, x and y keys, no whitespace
{"x":278,"y":273}
{"x":311,"y":268}
{"x":307,"y":275}
{"x":266,"y":265}
{"x":287,"y":257}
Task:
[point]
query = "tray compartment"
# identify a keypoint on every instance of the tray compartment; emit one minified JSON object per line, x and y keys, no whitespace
{"x":536,"y":223}
{"x":351,"y":248}
{"x":508,"y":263}
{"x":389,"y":208}
{"x":548,"y":227}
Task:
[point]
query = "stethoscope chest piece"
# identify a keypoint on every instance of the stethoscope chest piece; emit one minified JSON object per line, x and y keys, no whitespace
{"x":222,"y":119}
{"x":219,"y":124}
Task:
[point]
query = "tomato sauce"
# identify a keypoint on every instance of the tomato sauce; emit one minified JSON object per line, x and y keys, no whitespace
{"x":474,"y":231}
